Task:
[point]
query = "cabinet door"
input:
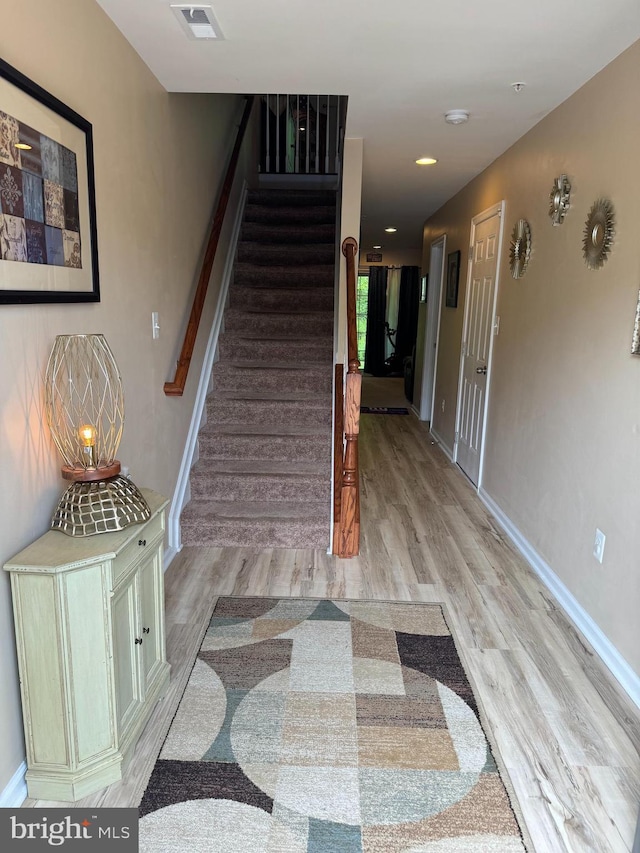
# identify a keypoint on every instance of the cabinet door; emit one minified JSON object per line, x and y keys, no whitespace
{"x":151,"y":609}
{"x":124,"y":615}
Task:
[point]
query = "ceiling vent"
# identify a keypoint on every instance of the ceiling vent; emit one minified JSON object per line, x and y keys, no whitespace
{"x":198,"y":22}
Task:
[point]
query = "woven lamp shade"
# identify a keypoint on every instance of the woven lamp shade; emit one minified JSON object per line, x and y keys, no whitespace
{"x":84,"y":402}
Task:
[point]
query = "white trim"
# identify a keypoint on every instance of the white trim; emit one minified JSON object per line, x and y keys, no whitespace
{"x":167,"y":557}
{"x":426,"y":406}
{"x":15,"y":793}
{"x":495,"y":210}
{"x":617,"y":665}
{"x":180,"y":495}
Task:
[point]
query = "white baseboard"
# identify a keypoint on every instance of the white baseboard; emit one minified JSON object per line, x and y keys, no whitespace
{"x":618,"y":666}
{"x":15,"y":793}
{"x":167,"y":558}
{"x":448,"y":451}
{"x":181,"y":493}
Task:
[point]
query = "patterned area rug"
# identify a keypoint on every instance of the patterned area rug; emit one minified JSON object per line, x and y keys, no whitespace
{"x":327,"y":727}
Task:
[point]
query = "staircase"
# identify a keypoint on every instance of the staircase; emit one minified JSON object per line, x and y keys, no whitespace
{"x":263,"y":475}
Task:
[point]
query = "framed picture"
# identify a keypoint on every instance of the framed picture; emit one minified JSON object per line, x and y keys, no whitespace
{"x":453,"y":277}
{"x":424,"y":284}
{"x":374,"y":257}
{"x":48,"y":241}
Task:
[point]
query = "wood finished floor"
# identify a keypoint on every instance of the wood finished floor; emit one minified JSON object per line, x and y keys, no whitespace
{"x":567,"y":734}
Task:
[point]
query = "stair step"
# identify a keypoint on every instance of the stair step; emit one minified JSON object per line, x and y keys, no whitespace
{"x":225,"y":486}
{"x":281,"y":299}
{"x":234,"y":348}
{"x":307,"y":276}
{"x":316,"y":324}
{"x":256,"y":525}
{"x":293,"y":234}
{"x":285,"y":215}
{"x":266,"y":254}
{"x":292,"y":198}
{"x":272,"y":414}
{"x":315,"y":447}
{"x":237,"y":377}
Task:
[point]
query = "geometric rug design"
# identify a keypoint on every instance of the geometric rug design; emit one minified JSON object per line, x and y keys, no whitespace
{"x":314,"y":726}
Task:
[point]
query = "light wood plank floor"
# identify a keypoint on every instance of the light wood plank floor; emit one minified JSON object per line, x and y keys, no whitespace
{"x":567,"y":734}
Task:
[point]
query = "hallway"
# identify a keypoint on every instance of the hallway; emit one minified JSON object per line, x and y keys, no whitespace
{"x":565,"y":732}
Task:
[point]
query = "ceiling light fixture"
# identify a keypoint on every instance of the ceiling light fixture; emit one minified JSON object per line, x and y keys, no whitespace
{"x":456,"y":116}
{"x":390,"y":230}
{"x":518,"y":87}
{"x":426,"y":161}
{"x":377,"y":247}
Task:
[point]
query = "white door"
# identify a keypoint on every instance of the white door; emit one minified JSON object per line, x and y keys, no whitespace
{"x":476,"y":344}
{"x":434,"y":301}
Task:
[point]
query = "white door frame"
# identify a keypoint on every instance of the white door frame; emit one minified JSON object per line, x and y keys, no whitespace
{"x":480,"y":217}
{"x":432,"y":327}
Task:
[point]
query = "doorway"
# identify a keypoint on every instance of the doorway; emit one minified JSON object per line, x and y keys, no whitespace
{"x":477,"y":340}
{"x":426,"y":382}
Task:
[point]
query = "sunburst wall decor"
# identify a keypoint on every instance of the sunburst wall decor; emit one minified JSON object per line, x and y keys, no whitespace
{"x":599,"y":230}
{"x":520,"y":248}
{"x":559,"y":199}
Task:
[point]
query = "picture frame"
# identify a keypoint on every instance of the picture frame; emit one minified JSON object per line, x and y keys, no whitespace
{"x":374,"y":257}
{"x":48,"y":233}
{"x":453,"y":278}
{"x":424,"y":287}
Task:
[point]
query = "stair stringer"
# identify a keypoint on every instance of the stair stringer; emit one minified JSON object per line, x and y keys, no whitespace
{"x":181,"y":494}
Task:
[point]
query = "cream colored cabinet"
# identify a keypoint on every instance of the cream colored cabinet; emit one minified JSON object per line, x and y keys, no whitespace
{"x":89,"y":619}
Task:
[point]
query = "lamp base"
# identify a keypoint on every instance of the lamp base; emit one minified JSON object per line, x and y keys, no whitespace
{"x":87,"y":508}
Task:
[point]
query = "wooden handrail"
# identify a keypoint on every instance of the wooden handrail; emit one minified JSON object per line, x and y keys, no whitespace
{"x":176,"y":388}
{"x":346,"y":541}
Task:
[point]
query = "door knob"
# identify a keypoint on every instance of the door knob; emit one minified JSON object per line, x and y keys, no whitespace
{"x":482,"y":370}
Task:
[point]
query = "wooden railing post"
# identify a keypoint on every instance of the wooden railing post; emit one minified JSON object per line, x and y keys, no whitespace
{"x":176,"y":388}
{"x":347,"y":505}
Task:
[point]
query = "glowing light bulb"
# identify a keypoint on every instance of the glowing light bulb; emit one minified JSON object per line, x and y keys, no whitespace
{"x":87,"y":434}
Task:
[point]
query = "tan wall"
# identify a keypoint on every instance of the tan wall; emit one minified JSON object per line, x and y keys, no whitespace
{"x":158,"y":161}
{"x":562,"y":448}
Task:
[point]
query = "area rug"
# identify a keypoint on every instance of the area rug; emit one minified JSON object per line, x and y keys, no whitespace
{"x":383,"y":410}
{"x":327,"y":727}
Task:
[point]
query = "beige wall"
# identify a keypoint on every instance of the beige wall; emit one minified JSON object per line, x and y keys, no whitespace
{"x":158,"y":161}
{"x":563,"y":430}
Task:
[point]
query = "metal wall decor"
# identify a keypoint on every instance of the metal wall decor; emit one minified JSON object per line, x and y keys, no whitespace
{"x":635,"y":341}
{"x":598,"y":233}
{"x":559,"y":199}
{"x":520,"y":248}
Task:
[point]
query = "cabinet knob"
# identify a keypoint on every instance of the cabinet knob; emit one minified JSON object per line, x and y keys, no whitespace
{"x":138,"y":641}
{"x":142,"y":542}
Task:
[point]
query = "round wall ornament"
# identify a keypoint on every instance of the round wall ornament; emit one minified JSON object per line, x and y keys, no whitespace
{"x":598,"y":233}
{"x":520,"y":248}
{"x":559,"y":199}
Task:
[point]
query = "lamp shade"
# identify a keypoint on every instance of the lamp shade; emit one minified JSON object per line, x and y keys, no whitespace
{"x":85,"y":406}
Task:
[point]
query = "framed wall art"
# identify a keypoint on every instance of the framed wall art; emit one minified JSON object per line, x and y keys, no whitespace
{"x":453,"y":278}
{"x":48,"y":239}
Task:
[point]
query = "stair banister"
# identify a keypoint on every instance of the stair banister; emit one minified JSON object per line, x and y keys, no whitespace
{"x":176,"y":388}
{"x":347,"y":503}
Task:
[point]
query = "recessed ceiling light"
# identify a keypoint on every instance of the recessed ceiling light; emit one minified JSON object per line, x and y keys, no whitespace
{"x":390,"y":230}
{"x":456,"y":116}
{"x":377,"y":247}
{"x":518,"y":87}
{"x":426,"y":161}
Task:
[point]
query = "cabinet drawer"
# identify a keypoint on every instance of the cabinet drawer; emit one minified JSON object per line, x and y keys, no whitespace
{"x":146,"y":538}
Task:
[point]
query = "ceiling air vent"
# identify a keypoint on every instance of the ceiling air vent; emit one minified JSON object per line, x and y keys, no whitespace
{"x":198,"y":22}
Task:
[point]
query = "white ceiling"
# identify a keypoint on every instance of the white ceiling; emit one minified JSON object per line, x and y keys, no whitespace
{"x":403,"y":64}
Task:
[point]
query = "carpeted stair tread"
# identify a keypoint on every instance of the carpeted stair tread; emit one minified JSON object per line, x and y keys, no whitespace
{"x":237,"y":377}
{"x":260,"y":394}
{"x":263,"y":467}
{"x":294,"y":234}
{"x":282,"y":299}
{"x":268,"y":414}
{"x":276,"y":350}
{"x":284,"y":215}
{"x":268,"y":429}
{"x":208,"y":485}
{"x":291,"y":198}
{"x":316,"y":323}
{"x":267,"y":254}
{"x":288,"y":448}
{"x":278,"y":275}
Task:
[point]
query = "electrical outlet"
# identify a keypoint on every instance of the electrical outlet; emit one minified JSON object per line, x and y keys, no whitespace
{"x":442,"y":406}
{"x":155,"y":325}
{"x":598,"y":545}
